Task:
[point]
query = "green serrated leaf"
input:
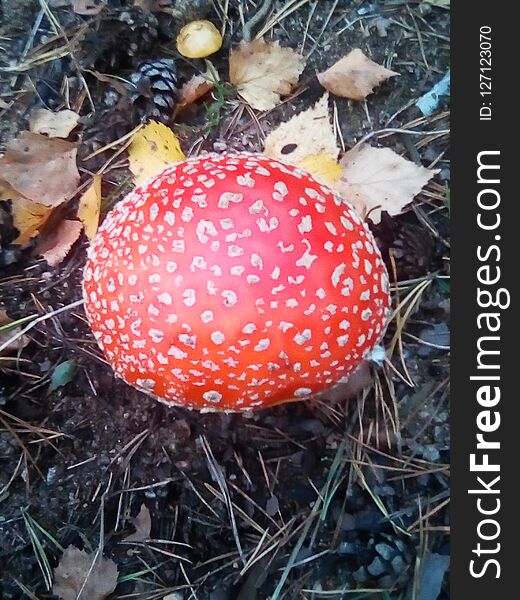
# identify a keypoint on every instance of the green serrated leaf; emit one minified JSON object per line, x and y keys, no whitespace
{"x":63,"y":374}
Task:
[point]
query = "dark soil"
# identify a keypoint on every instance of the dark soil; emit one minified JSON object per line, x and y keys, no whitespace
{"x":348,"y":492}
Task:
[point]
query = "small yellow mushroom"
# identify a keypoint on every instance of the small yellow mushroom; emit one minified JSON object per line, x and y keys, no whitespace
{"x":199,"y":39}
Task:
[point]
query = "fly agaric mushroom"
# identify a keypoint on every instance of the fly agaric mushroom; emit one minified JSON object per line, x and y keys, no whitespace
{"x":230,"y":282}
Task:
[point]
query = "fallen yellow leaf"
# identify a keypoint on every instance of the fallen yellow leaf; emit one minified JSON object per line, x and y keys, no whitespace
{"x":153,"y":148}
{"x":263,"y":71}
{"x":89,"y":205}
{"x":323,"y":167}
{"x":307,"y":134}
{"x":29,"y":218}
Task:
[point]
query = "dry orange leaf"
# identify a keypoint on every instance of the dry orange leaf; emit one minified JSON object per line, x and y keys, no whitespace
{"x":197,"y":87}
{"x":307,"y":140}
{"x":354,"y":76}
{"x":77,"y":571}
{"x":55,"y":246}
{"x":7,"y":192}
{"x":29,"y":218}
{"x":89,"y":206}
{"x":153,"y":148}
{"x":377,"y":179}
{"x":54,"y":124}
{"x":263,"y":71}
{"x":41,"y":169}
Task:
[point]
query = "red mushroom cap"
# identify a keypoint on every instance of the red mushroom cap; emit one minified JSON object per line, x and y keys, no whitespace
{"x":230,"y":282}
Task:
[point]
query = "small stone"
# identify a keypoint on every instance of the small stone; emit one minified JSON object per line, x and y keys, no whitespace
{"x":431,"y":453}
{"x":219,"y":146}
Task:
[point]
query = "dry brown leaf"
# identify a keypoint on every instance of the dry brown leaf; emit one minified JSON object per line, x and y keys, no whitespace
{"x":78,"y":571}
{"x":377,"y":179}
{"x":89,"y":206}
{"x":41,"y":169}
{"x":55,"y":246}
{"x":263,"y":71}
{"x":120,"y":87}
{"x":197,"y":87}
{"x":7,"y":192}
{"x":143,"y":526}
{"x":308,"y":133}
{"x":153,"y":148}
{"x":354,"y":76}
{"x":54,"y":124}
{"x":29,"y":218}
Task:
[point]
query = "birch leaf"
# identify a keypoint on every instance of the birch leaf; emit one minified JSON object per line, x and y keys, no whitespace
{"x":143,"y":526}
{"x":377,"y":179}
{"x":264,"y":71}
{"x":77,"y":571}
{"x":354,"y":76}
{"x":323,"y":167}
{"x":153,"y":148}
{"x":89,"y":206}
{"x":29,"y":218}
{"x":55,"y":246}
{"x":54,"y":124}
{"x":41,"y":169}
{"x":307,"y":140}
{"x":309,"y":132}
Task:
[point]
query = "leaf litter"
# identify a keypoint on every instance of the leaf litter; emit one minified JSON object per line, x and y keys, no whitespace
{"x":54,"y":124}
{"x":354,"y":76}
{"x":378,"y":179}
{"x":264,"y":71}
{"x":41,"y":169}
{"x":83,"y":576}
{"x":309,"y":133}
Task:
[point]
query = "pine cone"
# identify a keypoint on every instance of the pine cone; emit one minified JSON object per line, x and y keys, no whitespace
{"x":156,"y":89}
{"x":381,"y":561}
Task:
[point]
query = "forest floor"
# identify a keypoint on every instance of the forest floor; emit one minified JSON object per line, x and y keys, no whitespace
{"x":341,"y":497}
